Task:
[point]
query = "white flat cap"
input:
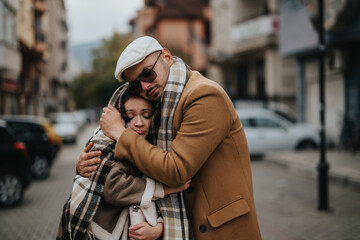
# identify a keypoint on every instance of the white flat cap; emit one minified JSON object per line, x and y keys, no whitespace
{"x":134,"y":53}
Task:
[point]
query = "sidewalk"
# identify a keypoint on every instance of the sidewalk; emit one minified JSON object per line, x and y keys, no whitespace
{"x":344,"y":166}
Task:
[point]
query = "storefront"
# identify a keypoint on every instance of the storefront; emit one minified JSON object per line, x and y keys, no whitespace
{"x":299,"y":39}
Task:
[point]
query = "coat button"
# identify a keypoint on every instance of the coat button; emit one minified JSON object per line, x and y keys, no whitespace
{"x":203,"y":228}
{"x":190,"y":189}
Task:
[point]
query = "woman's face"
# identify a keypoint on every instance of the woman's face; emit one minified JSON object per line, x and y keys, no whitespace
{"x":139,"y":112}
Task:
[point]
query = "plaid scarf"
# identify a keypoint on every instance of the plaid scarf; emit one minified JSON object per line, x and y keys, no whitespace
{"x":172,"y":207}
{"x":86,"y":194}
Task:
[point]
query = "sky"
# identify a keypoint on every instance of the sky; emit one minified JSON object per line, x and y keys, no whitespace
{"x":92,"y":20}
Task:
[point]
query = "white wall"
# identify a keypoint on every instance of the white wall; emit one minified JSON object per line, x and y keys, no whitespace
{"x":334,"y":99}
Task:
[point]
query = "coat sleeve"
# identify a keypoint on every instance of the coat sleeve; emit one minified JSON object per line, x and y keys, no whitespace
{"x":206,"y":122}
{"x":123,"y":189}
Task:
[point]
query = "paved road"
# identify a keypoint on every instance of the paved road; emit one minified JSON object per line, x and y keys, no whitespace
{"x":286,"y":204}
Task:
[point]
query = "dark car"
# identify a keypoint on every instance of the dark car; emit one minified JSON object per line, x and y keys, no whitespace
{"x":15,"y":174}
{"x":38,"y":143}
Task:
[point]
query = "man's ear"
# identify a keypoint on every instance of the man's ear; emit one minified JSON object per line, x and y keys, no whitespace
{"x":166,"y":55}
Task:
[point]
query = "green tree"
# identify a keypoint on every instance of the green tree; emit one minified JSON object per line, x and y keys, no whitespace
{"x":94,"y":89}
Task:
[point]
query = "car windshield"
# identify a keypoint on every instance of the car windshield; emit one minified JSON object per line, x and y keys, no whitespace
{"x":27,"y":131}
{"x":287,"y":116}
{"x":264,"y":122}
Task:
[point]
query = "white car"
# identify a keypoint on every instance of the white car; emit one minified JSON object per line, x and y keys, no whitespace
{"x":268,"y":131}
{"x":67,"y":131}
{"x":66,"y":126}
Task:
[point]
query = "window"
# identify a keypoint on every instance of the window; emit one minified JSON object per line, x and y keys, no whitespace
{"x":265,"y":122}
{"x":242,"y":82}
{"x":260,"y":80}
{"x":13,"y":104}
{"x":2,"y":21}
{"x":63,"y":44}
{"x":246,"y":122}
{"x":39,"y":35}
{"x":27,"y":131}
{"x":287,"y":116}
{"x":64,"y":66}
{"x":7,"y":25}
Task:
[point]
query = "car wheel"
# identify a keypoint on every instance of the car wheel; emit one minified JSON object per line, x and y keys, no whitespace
{"x":11,"y":189}
{"x":40,"y":168}
{"x":306,"y":145}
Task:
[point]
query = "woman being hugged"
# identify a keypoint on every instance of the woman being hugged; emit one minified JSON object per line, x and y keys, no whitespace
{"x":100,"y":206}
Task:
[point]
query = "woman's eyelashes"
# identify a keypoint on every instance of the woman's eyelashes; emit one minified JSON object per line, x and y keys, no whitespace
{"x":145,"y":114}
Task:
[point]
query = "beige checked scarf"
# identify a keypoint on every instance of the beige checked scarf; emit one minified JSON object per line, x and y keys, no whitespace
{"x":177,"y":226}
{"x":84,"y":200}
{"x":86,"y":194}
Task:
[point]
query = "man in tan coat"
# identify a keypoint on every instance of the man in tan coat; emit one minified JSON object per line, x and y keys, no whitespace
{"x":208,"y":145}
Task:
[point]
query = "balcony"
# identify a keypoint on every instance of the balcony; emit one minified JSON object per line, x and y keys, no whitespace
{"x":39,"y":6}
{"x":254,"y":33}
{"x":254,"y":28}
{"x":10,"y":61}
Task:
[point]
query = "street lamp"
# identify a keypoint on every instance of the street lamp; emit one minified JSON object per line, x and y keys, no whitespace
{"x":323,"y":167}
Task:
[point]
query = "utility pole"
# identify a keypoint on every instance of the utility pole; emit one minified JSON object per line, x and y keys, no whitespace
{"x":323,"y":167}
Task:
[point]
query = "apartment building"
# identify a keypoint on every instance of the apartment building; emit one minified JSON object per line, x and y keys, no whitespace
{"x":10,"y":58}
{"x":33,"y":57}
{"x":244,"y":56}
{"x":57,"y":68}
{"x":31,"y":38}
{"x":181,"y":26}
{"x":299,"y":40}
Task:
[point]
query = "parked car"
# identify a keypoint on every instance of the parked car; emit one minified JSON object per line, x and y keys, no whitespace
{"x":67,"y":131}
{"x":80,"y":117}
{"x":53,"y":136}
{"x":266,"y":130}
{"x":15,"y":174}
{"x":66,"y":125}
{"x":38,"y":142}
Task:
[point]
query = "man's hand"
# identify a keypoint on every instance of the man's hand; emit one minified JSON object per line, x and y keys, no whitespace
{"x":145,"y":231}
{"x":169,"y":190}
{"x":87,"y":162}
{"x":111,"y":122}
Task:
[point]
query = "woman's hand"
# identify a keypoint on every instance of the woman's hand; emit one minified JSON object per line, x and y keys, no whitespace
{"x":169,"y":190}
{"x":111,"y":122}
{"x":146,"y":232}
{"x":87,"y":163}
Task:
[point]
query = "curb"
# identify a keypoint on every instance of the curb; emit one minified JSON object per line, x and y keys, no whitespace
{"x":306,"y":164}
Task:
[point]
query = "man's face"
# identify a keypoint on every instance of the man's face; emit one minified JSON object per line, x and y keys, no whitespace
{"x":151,"y":90}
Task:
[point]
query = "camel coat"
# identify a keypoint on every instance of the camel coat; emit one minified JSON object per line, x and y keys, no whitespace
{"x":210,"y":148}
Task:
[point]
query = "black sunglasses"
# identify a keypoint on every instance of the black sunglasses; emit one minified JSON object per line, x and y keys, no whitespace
{"x":147,"y":75}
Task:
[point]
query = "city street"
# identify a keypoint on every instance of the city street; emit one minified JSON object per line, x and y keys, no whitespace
{"x":286,"y":203}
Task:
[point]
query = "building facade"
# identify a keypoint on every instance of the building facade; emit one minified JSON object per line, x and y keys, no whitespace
{"x":31,"y":38}
{"x":244,"y":56}
{"x":182,"y":26}
{"x":10,"y":58}
{"x":57,"y":68}
{"x":299,"y":40}
{"x":33,"y":60}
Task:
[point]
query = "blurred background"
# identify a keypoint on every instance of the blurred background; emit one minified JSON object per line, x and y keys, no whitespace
{"x":57,"y":62}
